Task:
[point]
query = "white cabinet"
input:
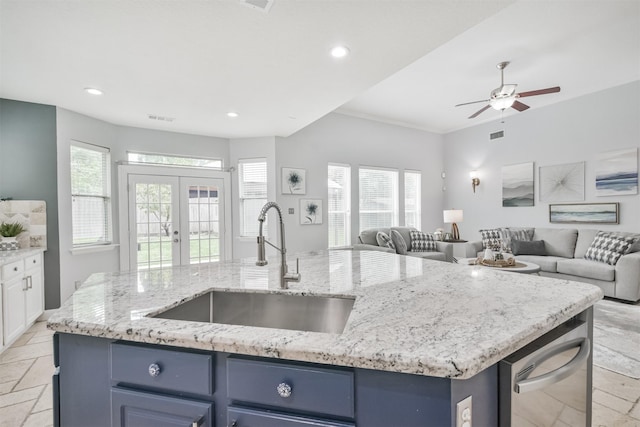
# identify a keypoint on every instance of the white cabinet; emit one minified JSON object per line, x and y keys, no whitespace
{"x":22,"y":295}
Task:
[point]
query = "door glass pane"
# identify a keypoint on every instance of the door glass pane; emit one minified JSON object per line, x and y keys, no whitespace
{"x":203,"y":223}
{"x":154,"y":225}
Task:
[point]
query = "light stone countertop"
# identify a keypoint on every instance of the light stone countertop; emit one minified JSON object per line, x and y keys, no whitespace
{"x":410,"y":315}
{"x":7,"y":257}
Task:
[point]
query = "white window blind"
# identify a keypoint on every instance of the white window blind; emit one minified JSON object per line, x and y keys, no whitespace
{"x":339,"y":197}
{"x":378,"y":198}
{"x":412,"y":200}
{"x":252,"y":175}
{"x":90,"y":194}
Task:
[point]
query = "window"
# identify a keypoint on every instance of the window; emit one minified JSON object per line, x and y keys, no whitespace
{"x":339,"y":197}
{"x":252,"y":175}
{"x":90,"y":194}
{"x":412,"y":200}
{"x":170,"y":160}
{"x":378,"y":198}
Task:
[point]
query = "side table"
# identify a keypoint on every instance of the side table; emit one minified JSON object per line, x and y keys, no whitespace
{"x":458,"y":248}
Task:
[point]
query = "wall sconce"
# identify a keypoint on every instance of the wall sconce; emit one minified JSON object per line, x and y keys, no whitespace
{"x":475,"y":181}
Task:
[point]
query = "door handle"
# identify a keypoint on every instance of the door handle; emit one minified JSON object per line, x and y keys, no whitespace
{"x":562,"y":372}
{"x":26,"y":283}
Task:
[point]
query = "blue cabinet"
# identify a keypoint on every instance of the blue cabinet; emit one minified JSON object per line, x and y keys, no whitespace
{"x":245,"y":417}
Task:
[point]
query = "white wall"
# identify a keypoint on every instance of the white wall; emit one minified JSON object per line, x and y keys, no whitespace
{"x":572,"y":131}
{"x":338,"y":138}
{"x":252,"y":148}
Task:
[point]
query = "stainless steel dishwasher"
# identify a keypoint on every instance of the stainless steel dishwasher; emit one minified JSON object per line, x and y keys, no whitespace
{"x":548,"y":380}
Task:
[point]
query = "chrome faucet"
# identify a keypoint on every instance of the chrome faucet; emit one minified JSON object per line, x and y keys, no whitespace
{"x":285,"y":276}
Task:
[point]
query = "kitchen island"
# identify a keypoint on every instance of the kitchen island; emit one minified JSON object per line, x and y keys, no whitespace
{"x":421,"y":336}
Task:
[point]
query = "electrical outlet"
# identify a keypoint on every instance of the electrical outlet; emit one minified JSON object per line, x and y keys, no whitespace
{"x":291,"y":211}
{"x":463,"y":413}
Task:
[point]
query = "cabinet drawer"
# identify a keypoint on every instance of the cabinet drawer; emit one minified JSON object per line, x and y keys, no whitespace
{"x":179,"y":371}
{"x":244,"y":417}
{"x":12,"y":270}
{"x":313,"y":389}
{"x":33,"y":261}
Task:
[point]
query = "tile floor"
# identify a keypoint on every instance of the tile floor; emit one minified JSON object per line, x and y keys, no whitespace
{"x":26,"y":399}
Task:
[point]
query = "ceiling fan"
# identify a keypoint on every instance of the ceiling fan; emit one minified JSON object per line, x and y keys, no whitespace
{"x":505,"y":96}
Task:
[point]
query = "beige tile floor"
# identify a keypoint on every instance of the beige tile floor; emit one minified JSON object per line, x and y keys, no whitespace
{"x":26,"y":399}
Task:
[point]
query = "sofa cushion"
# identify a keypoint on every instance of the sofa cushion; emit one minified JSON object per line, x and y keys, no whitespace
{"x":558,"y":241}
{"x":508,"y":235}
{"x":399,"y":242}
{"x":384,"y":240}
{"x":422,"y":242}
{"x":587,"y":268}
{"x":585,"y":238}
{"x":491,"y":239}
{"x":368,"y":237}
{"x":609,"y":247}
{"x":523,"y":247}
{"x":405,"y":232}
{"x":546,"y":263}
{"x":438,"y":256}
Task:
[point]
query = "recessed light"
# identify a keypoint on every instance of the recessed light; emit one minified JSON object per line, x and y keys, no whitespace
{"x":93,"y":91}
{"x":339,"y":51}
{"x":232,"y":114}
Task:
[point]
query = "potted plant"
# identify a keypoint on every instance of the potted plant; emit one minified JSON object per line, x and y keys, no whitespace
{"x":9,"y":232}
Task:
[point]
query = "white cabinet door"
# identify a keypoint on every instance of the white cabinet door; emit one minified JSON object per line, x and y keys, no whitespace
{"x":13,"y":292}
{"x":34,"y":298}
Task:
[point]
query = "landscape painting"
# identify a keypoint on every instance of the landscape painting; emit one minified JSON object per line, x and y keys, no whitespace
{"x":617,"y":173}
{"x":600,"y":213}
{"x":517,"y":185}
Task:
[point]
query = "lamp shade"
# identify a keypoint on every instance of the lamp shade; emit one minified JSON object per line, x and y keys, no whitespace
{"x":452,"y":215}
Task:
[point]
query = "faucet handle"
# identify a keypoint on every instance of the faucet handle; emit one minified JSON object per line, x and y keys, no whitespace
{"x":293,"y":277}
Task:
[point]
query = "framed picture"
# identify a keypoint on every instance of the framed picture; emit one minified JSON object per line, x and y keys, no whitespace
{"x":562,"y":183}
{"x":294,"y":181}
{"x":310,"y":211}
{"x":584,"y":213}
{"x":617,"y":173}
{"x":517,"y":185}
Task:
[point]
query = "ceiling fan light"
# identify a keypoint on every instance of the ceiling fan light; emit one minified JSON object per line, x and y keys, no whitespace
{"x":502,"y":103}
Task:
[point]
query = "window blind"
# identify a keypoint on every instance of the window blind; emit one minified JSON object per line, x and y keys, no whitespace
{"x":412,"y":199}
{"x":378,"y":198}
{"x":339,"y":201}
{"x":252,"y":175}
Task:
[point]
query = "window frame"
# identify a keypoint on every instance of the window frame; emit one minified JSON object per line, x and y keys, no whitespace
{"x":347,"y":203}
{"x":395,"y":196}
{"x":105,"y":195}
{"x":147,"y":153}
{"x":241,"y":208}
{"x":418,"y":199}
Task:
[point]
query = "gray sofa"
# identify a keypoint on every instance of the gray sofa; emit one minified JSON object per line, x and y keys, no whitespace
{"x":367,"y":241}
{"x":565,"y":260}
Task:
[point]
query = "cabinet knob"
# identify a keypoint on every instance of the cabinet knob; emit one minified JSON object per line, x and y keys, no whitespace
{"x":154,"y":370}
{"x":234,"y":423}
{"x":284,"y":390}
{"x":34,"y":261}
{"x":15,"y":268}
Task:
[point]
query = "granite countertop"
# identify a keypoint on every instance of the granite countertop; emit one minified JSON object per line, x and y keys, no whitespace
{"x":9,"y":256}
{"x":410,"y":315}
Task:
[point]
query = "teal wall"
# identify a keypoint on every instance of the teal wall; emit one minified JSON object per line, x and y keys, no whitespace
{"x":28,"y":171}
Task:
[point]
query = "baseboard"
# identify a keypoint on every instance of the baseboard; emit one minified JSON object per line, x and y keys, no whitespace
{"x":46,"y":315}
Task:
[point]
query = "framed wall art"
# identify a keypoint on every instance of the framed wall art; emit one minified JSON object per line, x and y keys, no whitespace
{"x":517,"y":185}
{"x":617,"y":173}
{"x":294,"y":181}
{"x":310,"y":211}
{"x":584,"y":213}
{"x":562,"y":183}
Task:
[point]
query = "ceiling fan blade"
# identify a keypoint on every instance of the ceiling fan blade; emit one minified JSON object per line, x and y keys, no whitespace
{"x":519,"y":106}
{"x":539,"y":92}
{"x":477,"y":113}
{"x":472,"y":102}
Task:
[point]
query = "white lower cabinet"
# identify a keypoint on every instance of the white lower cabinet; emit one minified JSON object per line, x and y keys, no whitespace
{"x":22,"y":296}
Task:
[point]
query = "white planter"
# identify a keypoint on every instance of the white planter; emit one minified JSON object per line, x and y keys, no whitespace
{"x":9,"y":244}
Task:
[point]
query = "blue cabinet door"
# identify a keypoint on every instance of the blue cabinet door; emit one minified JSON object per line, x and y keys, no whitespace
{"x":138,"y":409}
{"x":245,"y":417}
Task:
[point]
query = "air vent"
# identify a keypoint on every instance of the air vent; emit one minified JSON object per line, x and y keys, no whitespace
{"x":496,"y":135}
{"x":160,"y":118}
{"x":262,"y":5}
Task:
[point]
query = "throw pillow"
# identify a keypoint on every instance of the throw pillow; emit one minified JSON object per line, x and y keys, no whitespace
{"x":491,"y":239}
{"x":422,"y":242}
{"x":384,"y":240}
{"x":609,"y":247}
{"x":524,"y":247}
{"x":508,"y":235}
{"x":398,"y":240}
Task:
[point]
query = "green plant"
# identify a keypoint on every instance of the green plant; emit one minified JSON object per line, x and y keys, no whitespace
{"x":10,"y":229}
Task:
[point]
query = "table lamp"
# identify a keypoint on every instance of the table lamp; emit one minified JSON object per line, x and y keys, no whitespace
{"x":453,"y":216}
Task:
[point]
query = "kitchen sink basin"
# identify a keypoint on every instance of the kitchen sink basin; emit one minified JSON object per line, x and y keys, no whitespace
{"x":282,"y":311}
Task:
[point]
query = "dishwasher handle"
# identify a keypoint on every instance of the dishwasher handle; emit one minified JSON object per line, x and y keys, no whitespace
{"x":536,"y":383}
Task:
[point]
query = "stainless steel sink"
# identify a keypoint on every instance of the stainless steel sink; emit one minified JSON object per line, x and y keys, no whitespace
{"x":282,"y":311}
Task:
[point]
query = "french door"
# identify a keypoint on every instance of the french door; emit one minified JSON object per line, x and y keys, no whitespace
{"x":174,"y":220}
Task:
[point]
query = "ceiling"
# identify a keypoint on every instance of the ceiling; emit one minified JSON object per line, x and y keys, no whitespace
{"x":410,"y":62}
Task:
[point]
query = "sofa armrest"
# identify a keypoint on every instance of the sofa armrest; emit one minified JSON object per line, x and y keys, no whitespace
{"x":628,"y":277}
{"x":447,"y":249}
{"x":471,"y":249}
{"x":365,"y":247}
